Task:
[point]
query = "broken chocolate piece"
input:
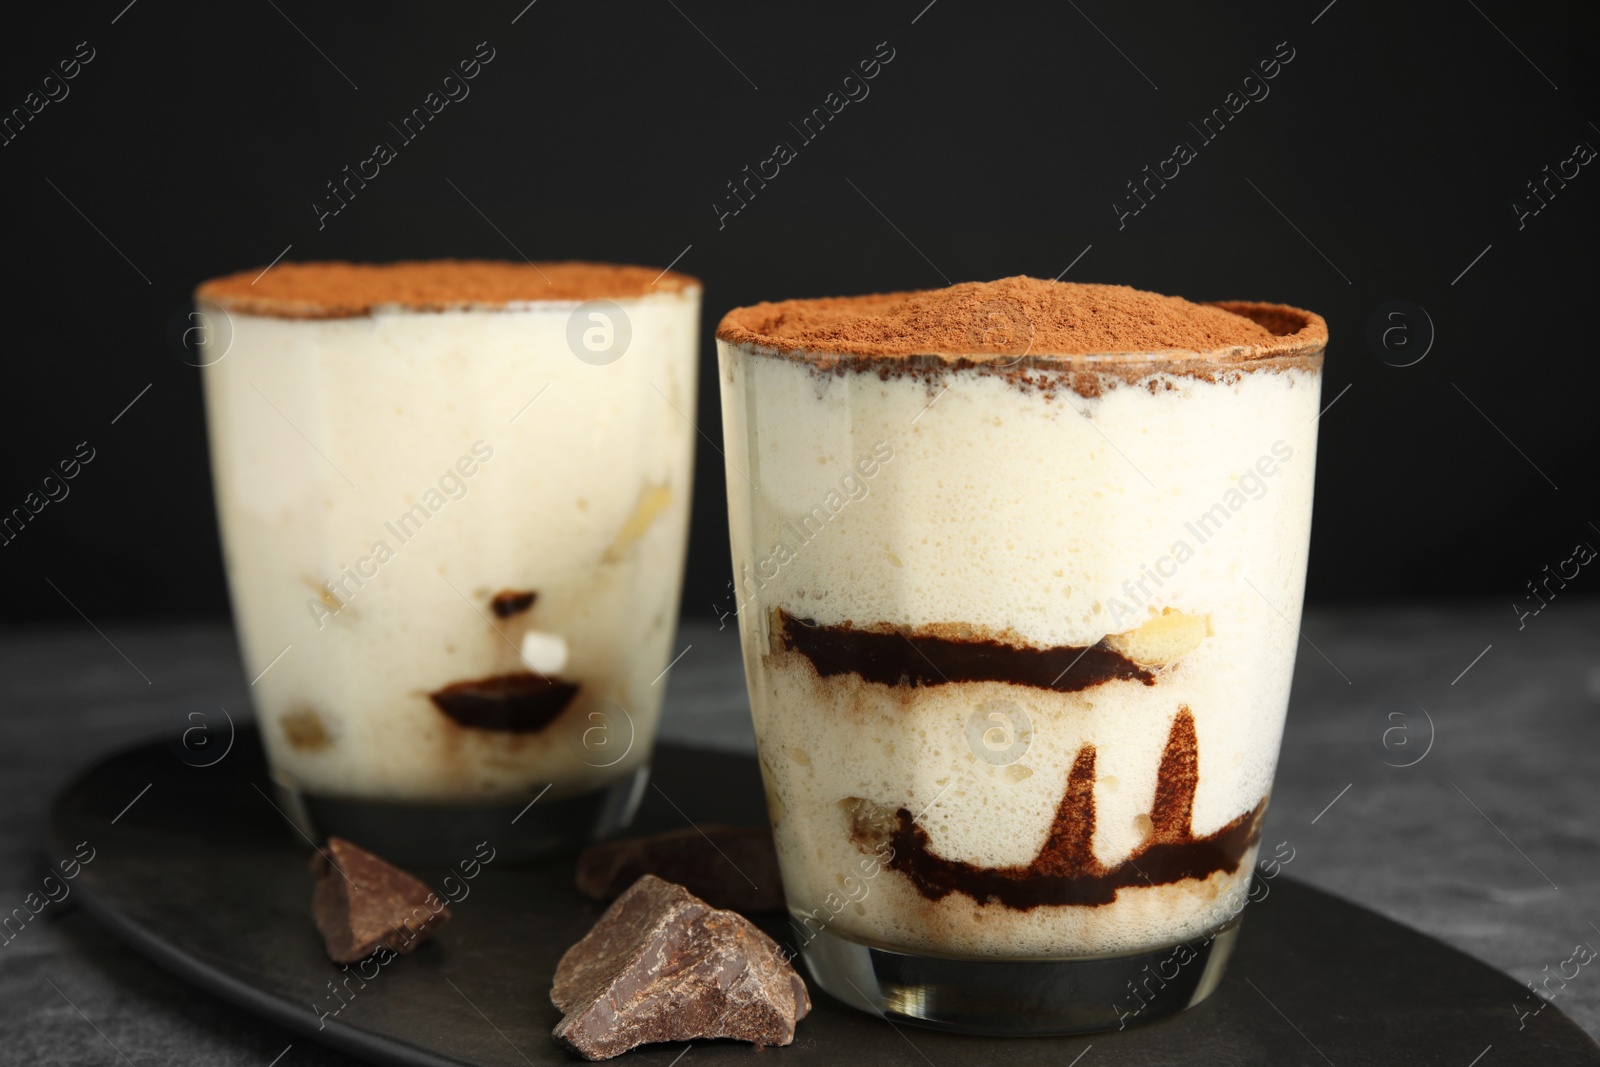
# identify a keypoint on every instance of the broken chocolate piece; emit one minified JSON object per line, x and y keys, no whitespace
{"x":521,"y":703}
{"x":733,"y":867}
{"x":663,"y":965}
{"x":509,"y":602}
{"x":362,"y":903}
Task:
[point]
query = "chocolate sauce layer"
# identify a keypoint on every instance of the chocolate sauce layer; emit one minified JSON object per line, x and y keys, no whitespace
{"x":890,"y":657}
{"x":1066,"y":872}
{"x":521,"y":703}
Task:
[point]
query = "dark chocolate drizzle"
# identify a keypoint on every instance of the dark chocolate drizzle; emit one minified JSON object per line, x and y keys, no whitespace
{"x":521,"y":703}
{"x":890,"y":657}
{"x":1065,"y":871}
{"x":509,"y":602}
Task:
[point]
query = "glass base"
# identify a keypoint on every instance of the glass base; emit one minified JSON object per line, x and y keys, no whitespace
{"x":1026,"y":997}
{"x":450,"y":833}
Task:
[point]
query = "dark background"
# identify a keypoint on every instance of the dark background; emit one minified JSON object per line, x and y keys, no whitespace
{"x":996,"y":141}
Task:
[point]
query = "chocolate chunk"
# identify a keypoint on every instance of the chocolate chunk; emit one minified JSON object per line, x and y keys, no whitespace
{"x":663,"y":965}
{"x":521,"y":703}
{"x":362,"y":903}
{"x":509,"y":602}
{"x":733,"y":867}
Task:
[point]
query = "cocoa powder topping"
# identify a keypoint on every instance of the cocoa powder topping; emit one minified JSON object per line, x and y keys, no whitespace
{"x":1020,"y":316}
{"x":343,"y":290}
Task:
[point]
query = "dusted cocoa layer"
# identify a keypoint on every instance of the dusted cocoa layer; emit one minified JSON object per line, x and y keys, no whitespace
{"x":1016,"y":317}
{"x":1039,"y":336}
{"x":336,"y":290}
{"x":1065,"y":871}
{"x":889,"y":656}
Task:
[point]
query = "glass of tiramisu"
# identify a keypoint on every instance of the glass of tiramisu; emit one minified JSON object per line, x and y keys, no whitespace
{"x":1020,"y":568}
{"x":453,"y":498}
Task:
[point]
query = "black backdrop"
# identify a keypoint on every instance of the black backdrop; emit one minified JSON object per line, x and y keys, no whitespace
{"x":1384,"y":164}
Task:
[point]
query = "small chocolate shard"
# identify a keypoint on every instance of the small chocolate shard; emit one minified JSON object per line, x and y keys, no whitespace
{"x":663,"y":965}
{"x":363,"y":903}
{"x":520,"y":703}
{"x":733,"y":867}
{"x":509,"y":602}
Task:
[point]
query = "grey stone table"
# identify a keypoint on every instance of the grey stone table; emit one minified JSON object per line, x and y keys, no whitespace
{"x":1488,"y":837}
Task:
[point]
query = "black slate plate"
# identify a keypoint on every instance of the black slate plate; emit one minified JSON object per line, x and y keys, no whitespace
{"x":193,"y":866}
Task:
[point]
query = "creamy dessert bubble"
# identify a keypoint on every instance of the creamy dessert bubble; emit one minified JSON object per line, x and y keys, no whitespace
{"x":453,"y":499}
{"x":1020,"y":567}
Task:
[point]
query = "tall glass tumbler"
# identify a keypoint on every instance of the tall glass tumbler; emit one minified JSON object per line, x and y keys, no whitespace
{"x":1018,"y":630}
{"x":454,"y":499}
